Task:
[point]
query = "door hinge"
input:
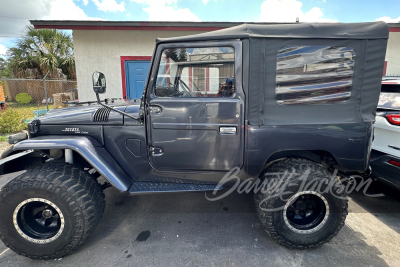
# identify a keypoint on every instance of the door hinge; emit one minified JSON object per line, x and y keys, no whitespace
{"x":156,"y":151}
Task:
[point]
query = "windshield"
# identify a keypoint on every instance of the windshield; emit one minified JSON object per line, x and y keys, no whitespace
{"x":196,"y":72}
{"x":390,"y":95}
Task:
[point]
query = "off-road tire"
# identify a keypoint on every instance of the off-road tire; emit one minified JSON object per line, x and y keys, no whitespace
{"x":72,"y":189}
{"x":273,"y":221}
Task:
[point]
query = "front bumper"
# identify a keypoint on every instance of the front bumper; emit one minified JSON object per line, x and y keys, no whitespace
{"x":7,"y":152}
{"x":15,"y":156}
{"x":12,"y":161}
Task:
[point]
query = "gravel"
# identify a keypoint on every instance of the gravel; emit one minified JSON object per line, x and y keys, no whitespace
{"x":4,"y":146}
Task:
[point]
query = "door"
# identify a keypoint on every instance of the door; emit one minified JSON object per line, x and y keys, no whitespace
{"x":195,"y":111}
{"x":136,"y":74}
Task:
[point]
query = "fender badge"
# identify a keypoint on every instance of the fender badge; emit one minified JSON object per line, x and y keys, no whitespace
{"x":71,"y":130}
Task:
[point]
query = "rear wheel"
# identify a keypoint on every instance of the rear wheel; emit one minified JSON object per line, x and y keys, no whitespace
{"x":307,"y":211}
{"x":48,"y":212}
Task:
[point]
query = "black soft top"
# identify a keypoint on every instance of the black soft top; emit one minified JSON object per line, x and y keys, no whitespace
{"x":262,"y":44}
{"x":369,"y":30}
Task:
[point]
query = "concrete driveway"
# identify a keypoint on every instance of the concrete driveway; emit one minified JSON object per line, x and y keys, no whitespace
{"x":185,"y":229}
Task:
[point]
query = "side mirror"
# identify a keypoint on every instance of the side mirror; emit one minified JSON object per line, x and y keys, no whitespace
{"x":99,"y":82}
{"x":99,"y":87}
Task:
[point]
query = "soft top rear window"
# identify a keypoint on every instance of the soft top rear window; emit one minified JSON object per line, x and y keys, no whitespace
{"x":314,"y":74}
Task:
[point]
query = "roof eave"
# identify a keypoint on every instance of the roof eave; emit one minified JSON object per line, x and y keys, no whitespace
{"x":135,"y":25}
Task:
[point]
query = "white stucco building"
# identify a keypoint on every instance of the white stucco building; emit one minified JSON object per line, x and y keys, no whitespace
{"x":392,"y":60}
{"x":122,"y":50}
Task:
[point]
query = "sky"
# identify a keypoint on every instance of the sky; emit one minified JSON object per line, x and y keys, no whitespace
{"x":15,"y":14}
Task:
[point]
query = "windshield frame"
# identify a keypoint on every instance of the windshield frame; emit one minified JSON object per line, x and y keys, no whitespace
{"x":235,"y":44}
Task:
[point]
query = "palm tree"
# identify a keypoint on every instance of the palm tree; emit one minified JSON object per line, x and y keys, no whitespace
{"x":41,"y":51}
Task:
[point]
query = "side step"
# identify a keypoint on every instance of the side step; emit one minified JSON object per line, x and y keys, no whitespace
{"x":148,"y":187}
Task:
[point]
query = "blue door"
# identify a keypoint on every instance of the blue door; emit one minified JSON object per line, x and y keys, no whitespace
{"x":136,"y":74}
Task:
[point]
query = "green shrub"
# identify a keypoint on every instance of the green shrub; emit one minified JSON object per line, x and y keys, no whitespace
{"x":11,"y":121}
{"x":23,"y":98}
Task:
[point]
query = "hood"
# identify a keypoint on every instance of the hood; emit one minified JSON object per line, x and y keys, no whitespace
{"x":86,"y":115}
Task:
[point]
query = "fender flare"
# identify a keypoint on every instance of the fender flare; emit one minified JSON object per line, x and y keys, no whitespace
{"x":89,"y":148}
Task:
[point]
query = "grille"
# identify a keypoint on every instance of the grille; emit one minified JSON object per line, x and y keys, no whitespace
{"x":101,"y":115}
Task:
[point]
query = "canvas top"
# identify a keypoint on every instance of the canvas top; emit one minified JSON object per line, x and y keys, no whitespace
{"x":367,"y":30}
{"x":326,"y":73}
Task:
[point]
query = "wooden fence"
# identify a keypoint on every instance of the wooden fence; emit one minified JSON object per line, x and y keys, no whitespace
{"x":35,"y":88}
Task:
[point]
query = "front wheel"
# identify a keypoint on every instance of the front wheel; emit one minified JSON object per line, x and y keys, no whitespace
{"x":302,"y":205}
{"x":48,"y":212}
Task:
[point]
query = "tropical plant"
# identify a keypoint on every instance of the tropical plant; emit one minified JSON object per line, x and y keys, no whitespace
{"x":41,"y":51}
{"x":183,"y":55}
{"x":176,"y":55}
{"x":4,"y":69}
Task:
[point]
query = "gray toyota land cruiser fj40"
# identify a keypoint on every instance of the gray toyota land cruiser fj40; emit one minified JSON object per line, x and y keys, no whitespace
{"x":265,"y":100}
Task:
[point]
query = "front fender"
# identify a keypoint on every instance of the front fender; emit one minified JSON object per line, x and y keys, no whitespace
{"x":89,"y":148}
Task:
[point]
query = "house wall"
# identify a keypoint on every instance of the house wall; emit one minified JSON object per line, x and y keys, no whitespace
{"x":100,"y":50}
{"x":393,"y":54}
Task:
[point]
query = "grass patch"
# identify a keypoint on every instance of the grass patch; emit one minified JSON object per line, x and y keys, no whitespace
{"x":26,"y":110}
{"x":3,"y":138}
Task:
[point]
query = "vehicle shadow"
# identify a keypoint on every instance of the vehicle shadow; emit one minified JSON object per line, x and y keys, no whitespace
{"x":386,"y":208}
{"x":185,"y":228}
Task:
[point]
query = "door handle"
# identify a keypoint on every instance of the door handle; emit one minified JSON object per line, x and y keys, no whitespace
{"x":153,"y":110}
{"x":227,"y":130}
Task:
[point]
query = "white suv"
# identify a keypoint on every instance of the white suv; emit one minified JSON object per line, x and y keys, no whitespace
{"x":385,"y":155}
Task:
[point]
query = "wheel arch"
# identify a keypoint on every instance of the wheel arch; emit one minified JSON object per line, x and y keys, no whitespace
{"x":89,"y":149}
{"x":318,"y":156}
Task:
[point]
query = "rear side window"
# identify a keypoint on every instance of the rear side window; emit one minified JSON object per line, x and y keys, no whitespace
{"x":314,"y":74}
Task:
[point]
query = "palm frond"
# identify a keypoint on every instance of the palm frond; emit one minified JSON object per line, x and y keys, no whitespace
{"x":44,"y":50}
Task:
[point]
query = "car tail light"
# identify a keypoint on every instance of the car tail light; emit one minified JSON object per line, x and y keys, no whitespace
{"x":393,"y":119}
{"x":395,"y":163}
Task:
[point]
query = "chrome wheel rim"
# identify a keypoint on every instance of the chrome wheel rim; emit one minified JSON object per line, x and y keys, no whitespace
{"x":38,"y":220}
{"x":306,"y":212}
